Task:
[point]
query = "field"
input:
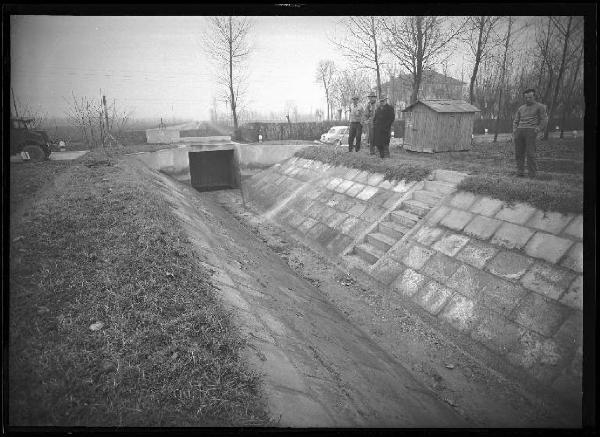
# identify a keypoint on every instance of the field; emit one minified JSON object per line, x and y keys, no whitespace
{"x":491,"y":168}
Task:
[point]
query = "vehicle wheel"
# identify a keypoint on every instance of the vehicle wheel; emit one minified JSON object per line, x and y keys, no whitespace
{"x":36,"y":153}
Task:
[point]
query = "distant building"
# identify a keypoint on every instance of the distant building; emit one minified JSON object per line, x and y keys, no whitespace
{"x":433,"y":86}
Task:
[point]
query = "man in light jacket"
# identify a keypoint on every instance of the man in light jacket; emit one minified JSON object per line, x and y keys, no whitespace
{"x":356,"y":119}
{"x":370,"y":108}
{"x":530,"y":119}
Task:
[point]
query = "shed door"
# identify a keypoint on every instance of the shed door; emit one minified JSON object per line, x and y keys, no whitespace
{"x":410,"y":132}
{"x":212,"y":170}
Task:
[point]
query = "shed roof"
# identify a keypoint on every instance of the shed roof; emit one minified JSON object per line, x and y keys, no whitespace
{"x":446,"y":105}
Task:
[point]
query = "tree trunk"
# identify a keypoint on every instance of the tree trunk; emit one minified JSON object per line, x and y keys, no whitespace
{"x":419,"y":62}
{"x":502,"y":76}
{"x":544,"y":54}
{"x":568,"y":101}
{"x":377,"y":71}
{"x":231,"y":92}
{"x":477,"y":61}
{"x":559,"y":77}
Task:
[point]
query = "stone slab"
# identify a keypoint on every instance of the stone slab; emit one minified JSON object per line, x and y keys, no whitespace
{"x":433,"y":297}
{"x":348,"y":224}
{"x":476,"y":253}
{"x":552,"y":222}
{"x":440,"y":267}
{"x":306,"y":225}
{"x":456,"y":219}
{"x":336,"y":219}
{"x":372,"y":214}
{"x":343,"y":186}
{"x":386,"y":270}
{"x":387,"y":185}
{"x":547,"y":247}
{"x":437,"y":214}
{"x":569,"y":382}
{"x":460,"y":312}
{"x":316,"y":231}
{"x":540,"y":314}
{"x":501,"y":296}
{"x":541,"y":356}
{"x":575,"y":228}
{"x":417,"y":256}
{"x":512,"y":236}
{"x":339,"y":243}
{"x":573,"y":297}
{"x":486,"y":206}
{"x":482,"y":227}
{"x":427,"y":235}
{"x":547,"y":279}
{"x":355,"y":189}
{"x":468,"y":281}
{"x":399,"y":250}
{"x":375,"y":179}
{"x":381,"y":197}
{"x":351,"y":174}
{"x":357,"y":209}
{"x":334,"y":183}
{"x":574,"y":258}
{"x":570,"y":333}
{"x":325,"y":237}
{"x":462,"y":200}
{"x":519,"y":213}
{"x":403,"y":186}
{"x":367,"y":193}
{"x":450,"y":244}
{"x":344,"y":204}
{"x":362,"y":177}
{"x":393,"y":199}
{"x":409,"y":282}
{"x":496,"y":332}
{"x":509,"y":265}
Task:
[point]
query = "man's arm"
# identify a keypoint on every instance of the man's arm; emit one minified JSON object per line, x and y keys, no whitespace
{"x":516,"y":120}
{"x":543,"y":116}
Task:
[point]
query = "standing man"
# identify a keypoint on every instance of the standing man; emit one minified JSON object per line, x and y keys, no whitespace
{"x":356,"y":118}
{"x":369,"y":113}
{"x":530,"y":119}
{"x":382,"y":126}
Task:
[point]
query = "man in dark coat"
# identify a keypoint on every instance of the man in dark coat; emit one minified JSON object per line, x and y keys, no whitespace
{"x":382,"y":126}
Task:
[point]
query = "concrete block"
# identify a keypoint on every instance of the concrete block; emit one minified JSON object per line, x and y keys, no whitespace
{"x":357,"y":209}
{"x":496,"y":332}
{"x":344,"y":204}
{"x":399,"y":251}
{"x":433,"y":297}
{"x":306,"y":225}
{"x":392,"y":200}
{"x":427,"y":235}
{"x":316,"y":231}
{"x":552,"y":222}
{"x":325,"y":213}
{"x":334,"y":183}
{"x":547,"y":247}
{"x":348,"y":224}
{"x":381,"y":197}
{"x":542,"y":357}
{"x":573,"y":297}
{"x":386,"y":270}
{"x":326,"y":236}
{"x":440,"y":267}
{"x":518,"y":214}
{"x":362,"y":177}
{"x":574,"y":258}
{"x":375,"y":179}
{"x":339,"y":226}
{"x":339,"y":243}
{"x":501,"y":296}
{"x":456,"y":219}
{"x":341,"y":188}
{"x":372,"y":214}
{"x":336,"y":219}
{"x":570,"y":335}
{"x":462,"y":200}
{"x":547,"y":279}
{"x":409,"y":282}
{"x":486,"y":206}
{"x":540,"y":314}
{"x":460,"y":312}
{"x":468,"y":281}
{"x":417,"y":256}
{"x":509,"y":265}
{"x":575,"y":228}
{"x":482,"y":227}
{"x":403,"y":186}
{"x":451,"y":243}
{"x":387,"y":185}
{"x":367,"y":193}
{"x":512,"y":236}
{"x":438,"y":214}
{"x":355,"y":189}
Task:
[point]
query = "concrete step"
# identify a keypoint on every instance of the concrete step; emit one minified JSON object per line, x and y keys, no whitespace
{"x":381,"y":241}
{"x":404,"y":218}
{"x":440,"y":187}
{"x":416,"y":207}
{"x":393,"y":229}
{"x":427,"y":197}
{"x":368,"y":253}
{"x":453,"y":177}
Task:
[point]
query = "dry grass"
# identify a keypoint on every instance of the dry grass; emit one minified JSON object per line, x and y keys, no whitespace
{"x":104,"y":247}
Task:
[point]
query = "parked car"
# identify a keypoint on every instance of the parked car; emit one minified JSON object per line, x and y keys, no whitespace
{"x":338,"y":135}
{"x":24,"y":139}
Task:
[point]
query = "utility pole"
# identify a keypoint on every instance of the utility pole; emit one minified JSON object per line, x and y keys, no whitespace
{"x":105,"y":116}
{"x":14,"y":103}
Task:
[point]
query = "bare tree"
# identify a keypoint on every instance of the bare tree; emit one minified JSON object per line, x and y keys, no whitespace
{"x":226,"y":42}
{"x":503,"y":75}
{"x":24,"y":110}
{"x":363,"y":43}
{"x":325,"y":74}
{"x":481,"y":42}
{"x":347,"y":84}
{"x":419,"y":42}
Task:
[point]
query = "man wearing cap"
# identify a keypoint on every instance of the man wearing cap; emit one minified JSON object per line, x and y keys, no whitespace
{"x":382,"y":126}
{"x":356,"y":119}
{"x":369,"y":113}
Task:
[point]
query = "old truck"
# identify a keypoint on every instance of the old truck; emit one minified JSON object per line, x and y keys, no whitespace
{"x":35,"y":143}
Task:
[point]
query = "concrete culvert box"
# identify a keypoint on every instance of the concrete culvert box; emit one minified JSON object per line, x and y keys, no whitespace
{"x":213,"y":170}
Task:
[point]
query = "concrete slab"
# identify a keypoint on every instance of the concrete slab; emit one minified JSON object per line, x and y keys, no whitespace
{"x":367,"y":193}
{"x":482,"y":227}
{"x":573,"y":297}
{"x":501,"y":296}
{"x":380,"y":198}
{"x":392,"y":200}
{"x":541,"y":356}
{"x":540,"y":314}
{"x":438,"y":214}
{"x":552,"y":222}
{"x":375,"y":179}
{"x":336,"y":219}
{"x":547,"y":279}
{"x":570,"y":333}
{"x":362,"y":177}
{"x":417,"y":257}
{"x":440,"y":267}
{"x":343,"y":187}
{"x":450,"y":244}
{"x":67,"y":156}
{"x":519,"y":213}
{"x":468,"y":281}
{"x":403,"y":186}
{"x":509,"y":265}
{"x":357,"y":209}
{"x":355,"y":189}
{"x":427,"y":235}
{"x":496,"y":332}
{"x":372,"y":213}
{"x":547,"y":246}
{"x":306,"y":225}
{"x":460,"y":313}
{"x":409,"y":282}
{"x":334,"y":183}
{"x":456,"y":219}
{"x":462,"y":200}
{"x":433,"y":297}
{"x":574,"y":258}
{"x":387,"y":185}
{"x":575,"y":228}
{"x":386,"y":270}
{"x":487,"y":206}
{"x":512,"y":236}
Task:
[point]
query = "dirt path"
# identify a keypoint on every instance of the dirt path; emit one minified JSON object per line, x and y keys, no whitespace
{"x":320,"y":369}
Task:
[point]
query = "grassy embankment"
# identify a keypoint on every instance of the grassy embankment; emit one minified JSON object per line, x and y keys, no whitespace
{"x":103,"y":247}
{"x":491,"y":169}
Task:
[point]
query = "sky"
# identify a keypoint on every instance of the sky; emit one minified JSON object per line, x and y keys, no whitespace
{"x":155,"y":66}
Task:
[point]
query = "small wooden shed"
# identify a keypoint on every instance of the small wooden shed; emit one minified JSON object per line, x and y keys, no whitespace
{"x":439,"y":125}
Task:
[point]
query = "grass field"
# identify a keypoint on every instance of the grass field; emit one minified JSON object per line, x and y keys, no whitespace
{"x":111,"y":320}
{"x":491,"y":169}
